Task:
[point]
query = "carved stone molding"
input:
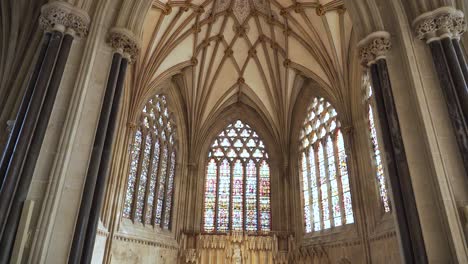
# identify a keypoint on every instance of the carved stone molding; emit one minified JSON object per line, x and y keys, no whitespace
{"x":125,"y":41}
{"x":374,"y":46}
{"x":63,"y":15}
{"x":440,"y":23}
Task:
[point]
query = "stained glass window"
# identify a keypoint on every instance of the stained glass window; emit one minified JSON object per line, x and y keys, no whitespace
{"x":326,"y":194}
{"x":237,"y":184}
{"x":150,"y":184}
{"x":377,"y":157}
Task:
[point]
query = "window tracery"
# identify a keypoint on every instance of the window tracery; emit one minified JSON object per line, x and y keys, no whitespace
{"x":326,"y":194}
{"x":150,"y":182}
{"x":377,"y":157}
{"x":237,"y":183}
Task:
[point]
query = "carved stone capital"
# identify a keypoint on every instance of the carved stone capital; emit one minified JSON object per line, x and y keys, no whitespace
{"x":374,"y":46}
{"x":440,"y":23}
{"x":123,"y":40}
{"x":64,"y":16}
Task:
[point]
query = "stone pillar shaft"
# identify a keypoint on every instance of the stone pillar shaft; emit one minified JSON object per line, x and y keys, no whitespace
{"x":92,"y":198}
{"x":373,"y":50}
{"x":7,"y":240}
{"x":61,"y":22}
{"x":94,"y":164}
{"x":441,"y":29}
{"x":98,"y":197}
{"x":21,"y":145}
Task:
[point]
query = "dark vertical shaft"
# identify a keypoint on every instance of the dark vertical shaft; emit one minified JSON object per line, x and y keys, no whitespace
{"x":459,"y":124}
{"x":461,"y":58}
{"x":457,"y":74}
{"x":7,"y":240}
{"x":16,"y":162}
{"x":93,"y":167}
{"x":103,"y":168}
{"x":401,"y":164}
{"x":9,"y":146}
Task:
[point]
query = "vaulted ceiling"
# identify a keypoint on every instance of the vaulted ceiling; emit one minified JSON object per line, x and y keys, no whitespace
{"x":244,"y":50}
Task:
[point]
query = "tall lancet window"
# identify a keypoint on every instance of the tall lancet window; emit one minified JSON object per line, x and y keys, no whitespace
{"x":326,"y":194}
{"x":237,"y":183}
{"x":150,"y":183}
{"x":377,"y":157}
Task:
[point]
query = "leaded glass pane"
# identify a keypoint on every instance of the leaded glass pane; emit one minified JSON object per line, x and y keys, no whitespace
{"x":224,"y":196}
{"x":143,"y":180}
{"x":210,"y":196}
{"x":324,"y":194}
{"x":161,"y":185}
{"x":305,"y":190}
{"x":251,"y":197}
{"x":169,"y":191}
{"x":237,"y":214}
{"x":152,"y":187}
{"x":148,"y":170}
{"x":242,"y":198}
{"x":265,"y":213}
{"x":378,"y":160}
{"x":135,"y":156}
{"x":348,"y":208}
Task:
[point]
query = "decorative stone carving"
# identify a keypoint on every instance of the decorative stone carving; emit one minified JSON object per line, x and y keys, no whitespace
{"x":61,"y":13}
{"x":442,"y":22}
{"x":125,"y":41}
{"x":374,"y":46}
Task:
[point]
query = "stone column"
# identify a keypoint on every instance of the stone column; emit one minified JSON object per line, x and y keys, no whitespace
{"x":62,"y":23}
{"x":126,"y":49}
{"x":441,"y":29}
{"x":372,"y":51}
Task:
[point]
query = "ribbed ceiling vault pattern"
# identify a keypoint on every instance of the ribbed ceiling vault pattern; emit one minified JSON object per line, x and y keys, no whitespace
{"x":248,"y":51}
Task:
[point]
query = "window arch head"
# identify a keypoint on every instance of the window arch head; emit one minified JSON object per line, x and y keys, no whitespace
{"x":237,"y":182}
{"x":326,"y":195}
{"x":150,"y":181}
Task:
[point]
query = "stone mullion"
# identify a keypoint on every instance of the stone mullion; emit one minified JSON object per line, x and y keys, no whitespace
{"x":156,"y":186}
{"x":244,"y":190}
{"x":168,"y":169}
{"x":308,"y":176}
{"x":218,"y":167}
{"x":319,"y":186}
{"x":138,"y":174}
{"x":231,"y":169}
{"x":338,"y":178}
{"x":148,"y":181}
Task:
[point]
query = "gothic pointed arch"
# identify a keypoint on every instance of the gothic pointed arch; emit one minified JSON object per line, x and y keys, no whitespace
{"x":237,"y":182}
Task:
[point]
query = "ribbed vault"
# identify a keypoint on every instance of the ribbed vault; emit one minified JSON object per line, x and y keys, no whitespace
{"x":255,"y":52}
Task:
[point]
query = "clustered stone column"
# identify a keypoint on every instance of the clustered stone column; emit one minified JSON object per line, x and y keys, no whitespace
{"x":373,"y":51}
{"x":441,"y":29}
{"x":126,"y":48}
{"x":61,"y":23}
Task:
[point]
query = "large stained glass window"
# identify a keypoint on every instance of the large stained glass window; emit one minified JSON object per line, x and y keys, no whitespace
{"x":237,"y":184}
{"x":326,"y":195}
{"x":150,"y":184}
{"x":377,"y":157}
